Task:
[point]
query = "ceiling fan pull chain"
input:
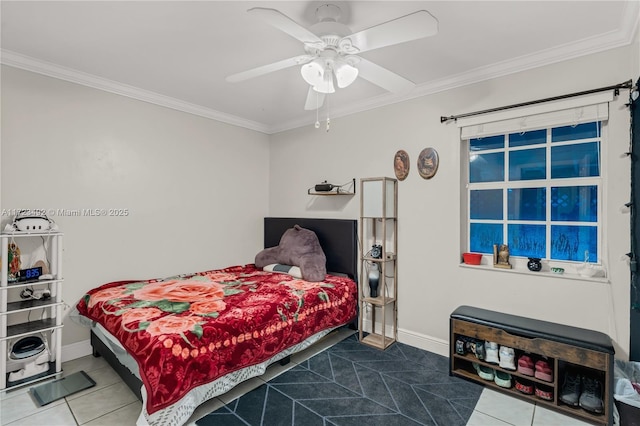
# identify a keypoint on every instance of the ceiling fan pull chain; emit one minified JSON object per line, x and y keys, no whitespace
{"x":328,"y":119}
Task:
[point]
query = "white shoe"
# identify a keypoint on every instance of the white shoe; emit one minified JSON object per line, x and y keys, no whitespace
{"x":491,"y":352}
{"x":507,"y":357}
{"x":484,"y":371}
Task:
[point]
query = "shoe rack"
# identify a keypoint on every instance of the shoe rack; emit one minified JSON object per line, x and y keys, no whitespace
{"x":565,"y":348}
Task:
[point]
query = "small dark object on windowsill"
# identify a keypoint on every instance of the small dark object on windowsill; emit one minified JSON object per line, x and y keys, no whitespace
{"x":534,"y":264}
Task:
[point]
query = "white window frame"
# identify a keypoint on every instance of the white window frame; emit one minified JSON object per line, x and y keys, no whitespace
{"x":549,"y":115}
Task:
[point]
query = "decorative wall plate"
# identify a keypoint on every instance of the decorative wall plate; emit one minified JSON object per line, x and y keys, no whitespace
{"x":428,"y":163}
{"x":401,"y":164}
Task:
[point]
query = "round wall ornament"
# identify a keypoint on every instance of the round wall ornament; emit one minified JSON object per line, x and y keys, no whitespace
{"x":401,"y":164}
{"x":428,"y":163}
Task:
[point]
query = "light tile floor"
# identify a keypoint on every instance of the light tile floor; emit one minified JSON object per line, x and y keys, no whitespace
{"x":111,"y":402}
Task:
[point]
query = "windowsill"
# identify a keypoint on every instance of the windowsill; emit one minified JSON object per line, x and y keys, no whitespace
{"x":548,"y":274}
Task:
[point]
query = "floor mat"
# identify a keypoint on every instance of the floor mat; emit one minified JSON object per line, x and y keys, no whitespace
{"x":52,"y":391}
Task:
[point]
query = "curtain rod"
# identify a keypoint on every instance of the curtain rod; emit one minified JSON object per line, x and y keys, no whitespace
{"x":626,"y":85}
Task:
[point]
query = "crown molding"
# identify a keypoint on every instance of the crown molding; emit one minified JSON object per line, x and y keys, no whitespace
{"x":49,"y":69}
{"x":622,"y":37}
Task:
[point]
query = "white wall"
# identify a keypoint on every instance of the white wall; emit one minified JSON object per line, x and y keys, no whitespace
{"x":196,"y":189}
{"x":431,"y":283}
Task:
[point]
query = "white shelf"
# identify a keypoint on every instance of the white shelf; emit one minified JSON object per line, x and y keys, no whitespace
{"x":31,"y":234}
{"x":15,"y":312}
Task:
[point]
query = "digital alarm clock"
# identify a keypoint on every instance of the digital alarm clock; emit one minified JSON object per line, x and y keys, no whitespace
{"x":29,"y":273}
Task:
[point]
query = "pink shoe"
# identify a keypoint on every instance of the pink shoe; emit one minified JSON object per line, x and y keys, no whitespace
{"x":543,"y":371}
{"x":525,"y":365}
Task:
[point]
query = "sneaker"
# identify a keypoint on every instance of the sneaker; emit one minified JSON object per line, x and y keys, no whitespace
{"x":470,"y":346}
{"x":491,"y":352}
{"x":524,"y":386}
{"x":525,"y":365}
{"x":476,"y":347}
{"x":502,"y":379}
{"x":484,"y":372}
{"x":479,"y":350}
{"x":571,"y":389}
{"x":542,"y":393}
{"x":460,"y":347}
{"x":591,"y":397}
{"x":507,"y":356}
{"x":544,"y":371}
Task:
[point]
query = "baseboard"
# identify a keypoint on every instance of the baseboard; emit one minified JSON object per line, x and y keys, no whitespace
{"x":421,"y":341}
{"x":417,"y":340}
{"x":76,"y":350}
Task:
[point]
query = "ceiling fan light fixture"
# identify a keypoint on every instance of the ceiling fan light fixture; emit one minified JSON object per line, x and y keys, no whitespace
{"x":326,"y":85}
{"x":345,"y":74}
{"x":313,"y":72}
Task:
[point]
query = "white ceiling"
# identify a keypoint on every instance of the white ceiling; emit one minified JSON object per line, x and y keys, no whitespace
{"x":178,"y":53}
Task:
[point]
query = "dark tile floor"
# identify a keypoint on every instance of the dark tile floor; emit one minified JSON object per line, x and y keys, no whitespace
{"x":350,"y":383}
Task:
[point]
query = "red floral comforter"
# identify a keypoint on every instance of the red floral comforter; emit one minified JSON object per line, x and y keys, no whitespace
{"x":188,"y":331}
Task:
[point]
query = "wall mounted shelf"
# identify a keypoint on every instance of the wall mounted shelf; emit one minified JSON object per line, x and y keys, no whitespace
{"x":338,"y":190}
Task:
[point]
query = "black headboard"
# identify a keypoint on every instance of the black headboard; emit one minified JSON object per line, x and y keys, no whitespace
{"x":338,"y":238}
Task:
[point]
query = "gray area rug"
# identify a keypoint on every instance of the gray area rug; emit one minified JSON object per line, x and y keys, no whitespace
{"x":353,"y":384}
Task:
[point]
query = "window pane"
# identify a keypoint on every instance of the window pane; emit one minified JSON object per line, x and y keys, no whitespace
{"x":571,"y":133}
{"x":527,"y":240}
{"x":527,"y":164}
{"x":492,"y":142}
{"x":571,"y":242}
{"x":579,"y":160}
{"x":574,"y":203}
{"x":486,"y":167}
{"x":527,"y":204}
{"x":486,"y":204}
{"x":484,"y":236}
{"x":528,"y":138}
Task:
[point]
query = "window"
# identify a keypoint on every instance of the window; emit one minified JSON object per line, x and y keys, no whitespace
{"x":539,"y":191}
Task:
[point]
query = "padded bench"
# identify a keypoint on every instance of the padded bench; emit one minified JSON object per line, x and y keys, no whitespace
{"x":564,"y":344}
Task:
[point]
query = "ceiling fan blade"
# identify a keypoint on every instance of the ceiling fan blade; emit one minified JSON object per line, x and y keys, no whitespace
{"x":383,"y":77}
{"x":265,"y":69}
{"x":282,"y":22}
{"x":416,"y":25}
{"x":314,"y":99}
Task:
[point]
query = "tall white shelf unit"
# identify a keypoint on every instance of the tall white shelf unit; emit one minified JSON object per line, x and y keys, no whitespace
{"x":20,"y":318}
{"x":379,"y":226}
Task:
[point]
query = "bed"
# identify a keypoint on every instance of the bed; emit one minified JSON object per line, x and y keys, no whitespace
{"x":175,"y":352}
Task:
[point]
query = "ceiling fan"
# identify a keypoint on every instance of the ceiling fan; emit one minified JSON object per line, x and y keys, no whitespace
{"x":331,"y":50}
